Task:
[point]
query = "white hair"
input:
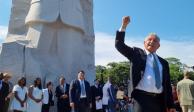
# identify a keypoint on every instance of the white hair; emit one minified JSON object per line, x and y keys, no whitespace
{"x":153,"y":34}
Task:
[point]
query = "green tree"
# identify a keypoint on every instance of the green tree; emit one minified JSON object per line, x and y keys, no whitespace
{"x":176,"y":69}
{"x":101,"y":73}
{"x":119,"y":71}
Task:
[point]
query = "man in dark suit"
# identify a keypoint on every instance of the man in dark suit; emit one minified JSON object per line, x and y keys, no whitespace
{"x":80,"y":94}
{"x":150,"y":73}
{"x":97,"y":95}
{"x":4,"y":91}
{"x":62,"y":94}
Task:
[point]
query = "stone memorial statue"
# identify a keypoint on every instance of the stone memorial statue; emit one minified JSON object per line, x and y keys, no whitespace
{"x":49,"y":38}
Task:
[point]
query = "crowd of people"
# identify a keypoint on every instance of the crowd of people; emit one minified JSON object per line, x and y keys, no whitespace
{"x":78,"y":96}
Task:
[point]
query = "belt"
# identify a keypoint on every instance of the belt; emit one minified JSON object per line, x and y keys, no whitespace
{"x":148,"y":93}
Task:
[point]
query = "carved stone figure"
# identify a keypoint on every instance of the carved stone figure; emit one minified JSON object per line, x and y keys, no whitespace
{"x":49,"y":38}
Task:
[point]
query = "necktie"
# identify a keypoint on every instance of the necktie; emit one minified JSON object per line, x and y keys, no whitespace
{"x":156,"y":72}
{"x":83,"y":92}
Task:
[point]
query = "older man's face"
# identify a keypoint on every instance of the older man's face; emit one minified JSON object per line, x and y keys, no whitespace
{"x":151,"y":43}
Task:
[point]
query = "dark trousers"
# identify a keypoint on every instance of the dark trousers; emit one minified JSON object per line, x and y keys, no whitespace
{"x":7,"y":105}
{"x":63,"y":107}
{"x":83,"y":106}
{"x":100,"y":110}
{"x":147,"y":102}
{"x":45,"y":107}
{"x":17,"y":111}
{"x":2,"y":106}
{"x":105,"y":107}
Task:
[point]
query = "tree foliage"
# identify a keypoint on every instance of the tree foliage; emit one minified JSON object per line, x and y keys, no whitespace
{"x":176,"y":69}
{"x":119,"y":72}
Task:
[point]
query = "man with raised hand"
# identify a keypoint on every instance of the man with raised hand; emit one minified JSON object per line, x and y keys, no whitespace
{"x":150,"y":73}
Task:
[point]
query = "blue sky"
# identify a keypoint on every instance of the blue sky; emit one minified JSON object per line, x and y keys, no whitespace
{"x":172,"y":20}
{"x":168,"y":18}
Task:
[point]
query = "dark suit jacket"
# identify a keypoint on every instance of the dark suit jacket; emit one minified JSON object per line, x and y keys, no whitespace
{"x":95,"y":92}
{"x":75,"y":91}
{"x":138,"y":58}
{"x":4,"y":91}
{"x":59,"y":92}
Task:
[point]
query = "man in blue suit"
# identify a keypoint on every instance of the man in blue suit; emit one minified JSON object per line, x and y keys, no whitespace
{"x":80,"y":94}
{"x":150,"y":75}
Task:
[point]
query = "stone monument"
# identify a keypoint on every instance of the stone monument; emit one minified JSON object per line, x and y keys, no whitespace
{"x":49,"y":38}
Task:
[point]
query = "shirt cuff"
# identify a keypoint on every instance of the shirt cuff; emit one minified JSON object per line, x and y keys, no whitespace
{"x":121,"y":29}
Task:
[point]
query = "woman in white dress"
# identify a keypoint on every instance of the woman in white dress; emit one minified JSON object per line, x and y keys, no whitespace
{"x":35,"y":97}
{"x":20,"y":96}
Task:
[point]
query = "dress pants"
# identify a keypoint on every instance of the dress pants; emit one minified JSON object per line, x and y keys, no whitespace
{"x":45,"y":107}
{"x":83,"y":106}
{"x":2,"y":106}
{"x":63,"y":107}
{"x":147,"y":102}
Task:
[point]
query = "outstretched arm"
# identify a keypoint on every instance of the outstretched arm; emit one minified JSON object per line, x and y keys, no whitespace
{"x":119,"y":42}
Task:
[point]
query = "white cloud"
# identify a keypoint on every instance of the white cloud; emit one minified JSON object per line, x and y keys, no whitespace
{"x":3,"y":33}
{"x":181,"y":50}
{"x":106,"y":52}
{"x":104,"y":49}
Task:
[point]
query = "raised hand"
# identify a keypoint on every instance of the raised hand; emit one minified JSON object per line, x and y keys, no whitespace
{"x":125,"y":21}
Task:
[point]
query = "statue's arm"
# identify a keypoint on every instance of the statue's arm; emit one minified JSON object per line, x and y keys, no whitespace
{"x":19,"y":11}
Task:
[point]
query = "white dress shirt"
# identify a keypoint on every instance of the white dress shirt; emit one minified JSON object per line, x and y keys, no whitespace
{"x":147,"y":83}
